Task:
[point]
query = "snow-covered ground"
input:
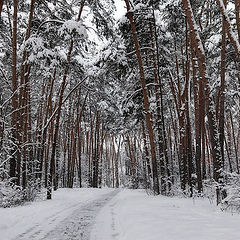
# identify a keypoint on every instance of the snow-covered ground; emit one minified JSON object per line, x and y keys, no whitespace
{"x":68,"y":216}
{"x":107,"y":214}
{"x":134,"y":215}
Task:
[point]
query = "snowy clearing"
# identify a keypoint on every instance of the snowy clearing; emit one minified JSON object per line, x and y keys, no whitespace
{"x":68,"y":216}
{"x":135,"y":215}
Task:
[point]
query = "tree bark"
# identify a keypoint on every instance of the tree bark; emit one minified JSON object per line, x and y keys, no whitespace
{"x":221,"y":115}
{"x":15,"y":160}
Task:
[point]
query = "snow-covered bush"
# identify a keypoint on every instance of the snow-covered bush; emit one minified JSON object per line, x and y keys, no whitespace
{"x":229,"y":191}
{"x":232,"y":187}
{"x":31,"y":191}
{"x":209,"y":190}
{"x":13,"y":195}
{"x":176,"y":190}
{"x":10,"y":194}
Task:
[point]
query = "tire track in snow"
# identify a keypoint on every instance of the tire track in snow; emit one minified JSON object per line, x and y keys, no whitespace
{"x":75,"y":226}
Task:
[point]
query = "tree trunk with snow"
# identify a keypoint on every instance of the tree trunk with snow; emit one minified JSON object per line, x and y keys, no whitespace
{"x":197,"y":43}
{"x":146,"y":100}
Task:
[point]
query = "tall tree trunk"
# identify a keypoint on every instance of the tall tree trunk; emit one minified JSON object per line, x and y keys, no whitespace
{"x":147,"y":158}
{"x":196,"y":40}
{"x":59,"y":106}
{"x":187,"y":115}
{"x":146,"y":100}
{"x":159,"y":124}
{"x":24,"y":104}
{"x":221,"y":116}
{"x":96,"y":152}
{"x":15,"y":160}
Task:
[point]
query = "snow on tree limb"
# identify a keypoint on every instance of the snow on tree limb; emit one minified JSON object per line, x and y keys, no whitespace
{"x":231,"y":34}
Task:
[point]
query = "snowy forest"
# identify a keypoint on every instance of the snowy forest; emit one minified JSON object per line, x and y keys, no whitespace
{"x":147,"y":101}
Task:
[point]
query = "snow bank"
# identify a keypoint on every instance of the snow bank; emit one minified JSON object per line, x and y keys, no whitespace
{"x":134,"y":215}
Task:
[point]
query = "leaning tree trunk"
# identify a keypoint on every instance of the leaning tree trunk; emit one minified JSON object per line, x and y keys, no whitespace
{"x":198,"y":46}
{"x":234,"y":40}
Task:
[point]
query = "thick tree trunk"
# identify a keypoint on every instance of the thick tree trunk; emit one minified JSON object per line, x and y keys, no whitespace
{"x":160,"y":144}
{"x":220,"y":111}
{"x":96,"y":152}
{"x":24,"y":105}
{"x":198,"y":93}
{"x":15,"y":160}
{"x":187,"y":116}
{"x":147,"y":158}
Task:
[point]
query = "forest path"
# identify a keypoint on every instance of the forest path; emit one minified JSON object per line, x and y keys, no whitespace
{"x":76,"y":226}
{"x":69,"y":216}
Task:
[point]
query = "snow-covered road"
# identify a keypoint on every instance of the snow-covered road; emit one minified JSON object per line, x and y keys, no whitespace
{"x":68,"y":216}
